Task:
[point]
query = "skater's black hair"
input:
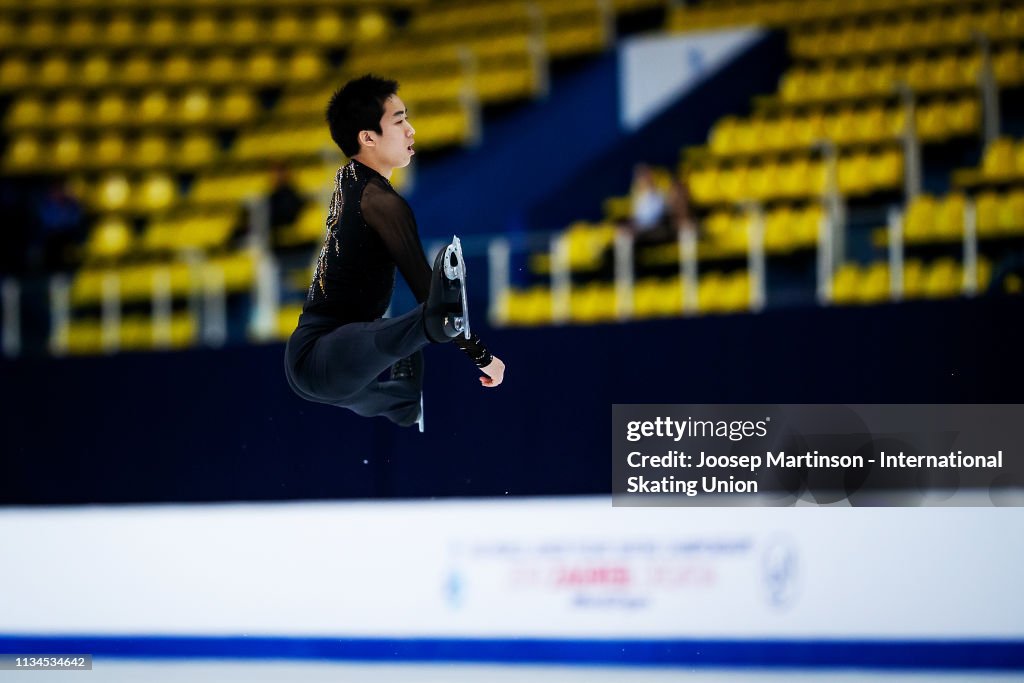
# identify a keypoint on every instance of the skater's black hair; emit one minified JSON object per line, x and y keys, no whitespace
{"x":357,"y":106}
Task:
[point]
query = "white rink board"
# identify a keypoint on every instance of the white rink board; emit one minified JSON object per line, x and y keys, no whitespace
{"x":559,"y":567}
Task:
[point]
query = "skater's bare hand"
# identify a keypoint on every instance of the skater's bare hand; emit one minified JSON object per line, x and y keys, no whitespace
{"x":495,"y":371}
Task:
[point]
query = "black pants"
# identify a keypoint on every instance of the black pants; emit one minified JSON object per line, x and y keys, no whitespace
{"x":339,"y":366}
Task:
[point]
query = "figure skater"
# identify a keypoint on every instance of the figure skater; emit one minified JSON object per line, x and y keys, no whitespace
{"x":342,"y":343}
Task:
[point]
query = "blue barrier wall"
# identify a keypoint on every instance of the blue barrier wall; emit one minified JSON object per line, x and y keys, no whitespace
{"x":207,"y":425}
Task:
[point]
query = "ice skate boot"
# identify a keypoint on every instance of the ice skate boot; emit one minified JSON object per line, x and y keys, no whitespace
{"x":410,"y":370}
{"x":447,"y":310}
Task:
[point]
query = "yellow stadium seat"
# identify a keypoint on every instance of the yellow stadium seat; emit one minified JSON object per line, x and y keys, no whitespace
{"x":964,"y":117}
{"x":807,"y":226}
{"x":237,"y":105}
{"x":327,"y":28}
{"x":244,"y":29}
{"x":27,"y":111}
{"x":372,"y":26}
{"x":527,"y":307}
{"x":987,"y":205}
{"x":308,"y":227}
{"x":734,"y":184}
{"x":592,"y":303}
{"x":14,"y":72}
{"x":196,"y":149}
{"x":111,"y":109}
{"x":67,"y":151}
{"x":24,"y":152}
{"x":930,"y":121}
{"x":946,"y":73}
{"x":80,"y":30}
{"x":657,"y":297}
{"x":8,"y":30}
{"x":744,"y":136}
{"x":735,"y":295}
{"x":87,"y":285}
{"x":155,"y":193}
{"x":874,"y":284}
{"x":999,"y":162}
{"x":913,"y":279}
{"x":949,"y":217}
{"x":764,"y":182}
{"x":40,"y":31}
{"x":109,"y":150}
{"x":778,"y":229}
{"x":154,"y":107}
{"x":84,"y":337}
{"x":112,"y":193}
{"x":111,"y":238}
{"x":203,"y":29}
{"x":178,"y":68}
{"x":162,"y":29}
{"x":1006,"y":64}
{"x":55,"y":70}
{"x":784,"y":134}
{"x":919,"y":222}
{"x":287,"y":320}
{"x":886,"y":169}
{"x":150,"y":150}
{"x":220,"y":68}
{"x":137,"y":69}
{"x":1012,"y":212}
{"x":710,"y":293}
{"x":943,"y":279}
{"x":96,"y":70}
{"x":722,"y":139}
{"x":846,"y":284}
{"x":238,"y":270}
{"x":68,"y":111}
{"x":871,"y":125}
{"x":262,"y":67}
{"x":305,"y":65}
{"x":855,"y":173}
{"x":794,"y":85}
{"x":286,"y":28}
{"x":194,"y":106}
{"x":121,"y":29}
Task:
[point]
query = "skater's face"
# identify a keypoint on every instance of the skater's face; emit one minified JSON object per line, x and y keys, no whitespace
{"x":393,"y":146}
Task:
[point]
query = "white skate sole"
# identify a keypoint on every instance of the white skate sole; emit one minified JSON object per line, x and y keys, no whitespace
{"x":458,"y":272}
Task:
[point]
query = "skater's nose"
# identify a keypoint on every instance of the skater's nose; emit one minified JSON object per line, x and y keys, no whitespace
{"x":411,"y":131}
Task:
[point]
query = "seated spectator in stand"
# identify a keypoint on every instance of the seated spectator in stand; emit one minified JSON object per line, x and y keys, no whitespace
{"x":681,"y":217}
{"x":649,"y":219}
{"x":59,"y":216}
{"x":285,"y":203}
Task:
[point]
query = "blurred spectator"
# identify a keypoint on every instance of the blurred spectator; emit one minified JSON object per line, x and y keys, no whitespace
{"x":681,"y":216}
{"x":649,"y":216}
{"x":285,"y":203}
{"x":59,"y":216}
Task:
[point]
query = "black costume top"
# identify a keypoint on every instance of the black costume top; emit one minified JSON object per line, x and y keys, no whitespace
{"x":370,"y":230}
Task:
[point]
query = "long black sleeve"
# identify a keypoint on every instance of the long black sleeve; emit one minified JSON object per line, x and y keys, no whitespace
{"x":390,"y":217}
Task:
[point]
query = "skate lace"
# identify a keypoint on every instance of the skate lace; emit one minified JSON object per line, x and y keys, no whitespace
{"x":402,"y":369}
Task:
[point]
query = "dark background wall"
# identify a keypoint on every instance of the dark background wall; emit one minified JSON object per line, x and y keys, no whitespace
{"x":207,"y":425}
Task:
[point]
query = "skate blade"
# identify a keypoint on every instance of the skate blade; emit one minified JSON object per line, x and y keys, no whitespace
{"x":458,"y":272}
{"x":420,"y":420}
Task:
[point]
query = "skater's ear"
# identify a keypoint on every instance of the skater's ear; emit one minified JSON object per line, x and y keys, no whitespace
{"x":367,"y":138}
